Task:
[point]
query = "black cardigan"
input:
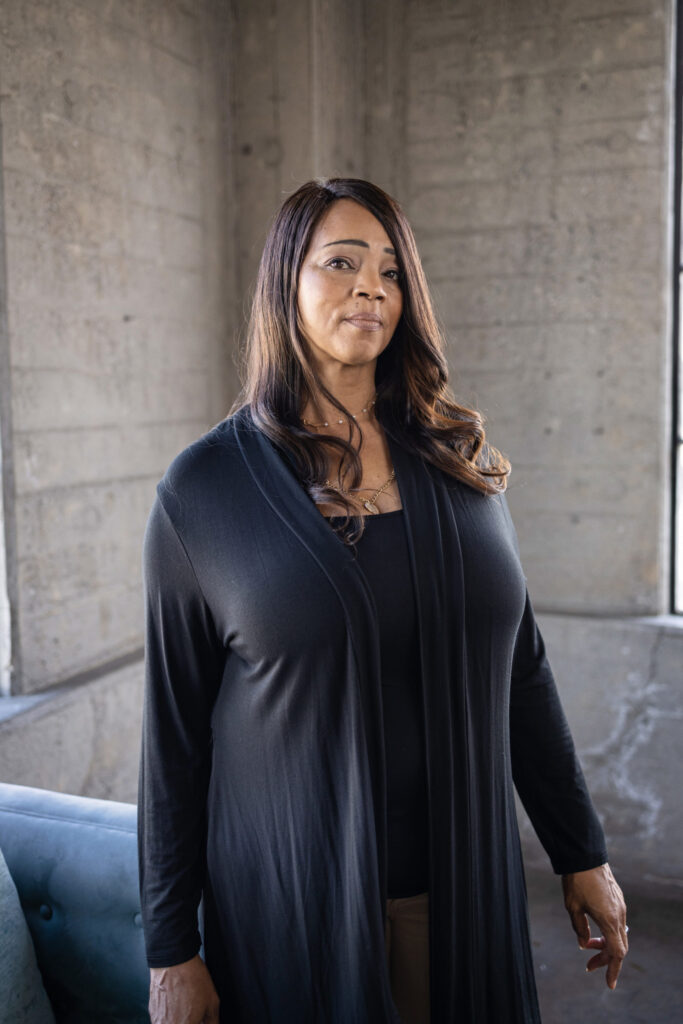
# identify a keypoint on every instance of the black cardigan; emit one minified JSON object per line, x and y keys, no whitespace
{"x":262,"y":776}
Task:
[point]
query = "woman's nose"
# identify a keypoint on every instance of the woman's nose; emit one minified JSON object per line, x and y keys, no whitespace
{"x":370,"y":286}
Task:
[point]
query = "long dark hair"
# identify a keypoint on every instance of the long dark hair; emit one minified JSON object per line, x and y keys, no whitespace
{"x":413,"y":399}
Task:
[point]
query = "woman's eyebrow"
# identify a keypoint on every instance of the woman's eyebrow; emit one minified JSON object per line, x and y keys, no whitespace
{"x":355,"y":241}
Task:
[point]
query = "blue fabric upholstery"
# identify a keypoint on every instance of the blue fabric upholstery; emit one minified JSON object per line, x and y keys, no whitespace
{"x":74,"y":863}
{"x":22,"y":995}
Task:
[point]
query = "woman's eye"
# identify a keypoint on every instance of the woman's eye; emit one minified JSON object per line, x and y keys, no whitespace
{"x":338,"y":259}
{"x":341,"y":261}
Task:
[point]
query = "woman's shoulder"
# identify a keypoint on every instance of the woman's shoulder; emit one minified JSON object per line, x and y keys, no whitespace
{"x":204,"y":467}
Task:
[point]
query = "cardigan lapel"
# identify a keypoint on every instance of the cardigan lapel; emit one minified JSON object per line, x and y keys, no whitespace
{"x":290,"y":501}
{"x":437,"y":568}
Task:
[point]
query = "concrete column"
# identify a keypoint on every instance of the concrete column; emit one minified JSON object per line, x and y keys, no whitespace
{"x":119,"y":303}
{"x":538,"y":144}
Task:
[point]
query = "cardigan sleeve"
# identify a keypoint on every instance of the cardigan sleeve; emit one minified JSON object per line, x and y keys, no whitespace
{"x":183,"y":661}
{"x":545,"y":766}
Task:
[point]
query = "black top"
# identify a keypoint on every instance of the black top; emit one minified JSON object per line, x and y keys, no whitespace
{"x":383,"y":557}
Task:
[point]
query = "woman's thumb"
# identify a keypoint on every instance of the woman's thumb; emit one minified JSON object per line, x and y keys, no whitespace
{"x":581,"y":927}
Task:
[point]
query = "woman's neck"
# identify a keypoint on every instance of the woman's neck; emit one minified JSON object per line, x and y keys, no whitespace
{"x":321,"y":412}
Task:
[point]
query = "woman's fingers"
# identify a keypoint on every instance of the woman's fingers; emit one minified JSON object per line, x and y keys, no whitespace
{"x":581,"y":927}
{"x":616,"y":947}
{"x":597,"y":961}
{"x":611,"y":956}
{"x":615,"y":944}
{"x":597,"y":893}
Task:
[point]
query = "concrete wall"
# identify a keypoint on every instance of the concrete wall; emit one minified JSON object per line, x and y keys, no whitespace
{"x":118,"y":301}
{"x":621,"y":686}
{"x":298,"y":87}
{"x":80,"y":737}
{"x":538,"y":180}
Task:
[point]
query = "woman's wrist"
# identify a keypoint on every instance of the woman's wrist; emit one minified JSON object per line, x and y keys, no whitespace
{"x":158,"y":971}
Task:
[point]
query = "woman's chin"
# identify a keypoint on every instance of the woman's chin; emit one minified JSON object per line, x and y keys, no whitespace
{"x":354,"y":353}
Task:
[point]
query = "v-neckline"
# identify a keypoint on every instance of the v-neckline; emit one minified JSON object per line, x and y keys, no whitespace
{"x":293,"y":494}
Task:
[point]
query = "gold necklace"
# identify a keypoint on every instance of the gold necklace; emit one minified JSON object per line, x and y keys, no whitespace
{"x":369,"y":503}
{"x":366,"y":408}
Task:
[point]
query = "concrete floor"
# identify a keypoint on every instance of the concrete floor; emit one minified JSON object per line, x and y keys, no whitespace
{"x":650,"y":986}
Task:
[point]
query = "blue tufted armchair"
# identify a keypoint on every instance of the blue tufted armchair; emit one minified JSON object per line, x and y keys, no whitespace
{"x":73,"y":861}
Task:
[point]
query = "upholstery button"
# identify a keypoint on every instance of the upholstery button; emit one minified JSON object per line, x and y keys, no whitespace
{"x":45,"y":912}
{"x":138,"y":920}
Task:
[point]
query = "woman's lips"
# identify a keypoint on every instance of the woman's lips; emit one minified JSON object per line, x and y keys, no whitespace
{"x":366,"y":323}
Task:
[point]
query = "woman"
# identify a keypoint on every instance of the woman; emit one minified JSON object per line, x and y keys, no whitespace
{"x":345,"y":675}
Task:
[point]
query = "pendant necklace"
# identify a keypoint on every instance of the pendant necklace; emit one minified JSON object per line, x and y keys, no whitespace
{"x":369,"y":503}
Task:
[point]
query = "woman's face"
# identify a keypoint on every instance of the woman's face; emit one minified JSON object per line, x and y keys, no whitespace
{"x":350,"y":298}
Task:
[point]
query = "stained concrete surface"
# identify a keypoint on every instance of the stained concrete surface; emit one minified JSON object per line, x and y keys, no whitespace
{"x":650,"y":986}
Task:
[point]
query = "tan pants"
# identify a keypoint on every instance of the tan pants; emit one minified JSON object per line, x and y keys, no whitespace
{"x":407,"y":940}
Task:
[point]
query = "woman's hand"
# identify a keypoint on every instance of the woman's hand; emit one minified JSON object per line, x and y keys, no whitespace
{"x":596,"y":892}
{"x":183,"y":994}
